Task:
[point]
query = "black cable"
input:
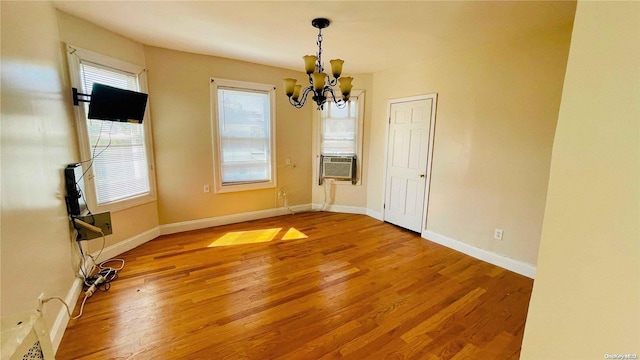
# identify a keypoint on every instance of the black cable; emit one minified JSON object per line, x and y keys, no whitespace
{"x":93,"y":157}
{"x":93,"y":153}
{"x":108,"y":275}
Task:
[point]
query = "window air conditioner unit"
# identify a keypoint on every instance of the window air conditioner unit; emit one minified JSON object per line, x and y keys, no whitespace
{"x":339,"y":167}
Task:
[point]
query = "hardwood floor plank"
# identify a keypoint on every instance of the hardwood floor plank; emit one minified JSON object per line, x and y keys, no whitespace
{"x":355,"y":288}
{"x":435,"y":322}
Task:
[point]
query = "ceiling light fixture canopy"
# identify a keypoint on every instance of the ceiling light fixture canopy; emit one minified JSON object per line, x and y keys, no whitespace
{"x":320,"y":84}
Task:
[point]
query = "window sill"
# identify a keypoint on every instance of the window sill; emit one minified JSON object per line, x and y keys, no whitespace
{"x":222,"y":189}
{"x":344,"y":182}
{"x":124,"y":204}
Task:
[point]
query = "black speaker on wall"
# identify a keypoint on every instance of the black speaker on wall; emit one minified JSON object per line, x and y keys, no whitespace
{"x":74,"y":186}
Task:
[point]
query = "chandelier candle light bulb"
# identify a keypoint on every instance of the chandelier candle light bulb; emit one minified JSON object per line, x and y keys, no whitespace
{"x":321,"y":85}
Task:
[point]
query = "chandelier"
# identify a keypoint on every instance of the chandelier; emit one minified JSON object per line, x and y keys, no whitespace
{"x":320,"y":84}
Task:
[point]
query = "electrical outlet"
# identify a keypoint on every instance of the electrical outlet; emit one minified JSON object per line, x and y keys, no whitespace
{"x":206,"y":188}
{"x":497,"y":234}
{"x":40,"y":302}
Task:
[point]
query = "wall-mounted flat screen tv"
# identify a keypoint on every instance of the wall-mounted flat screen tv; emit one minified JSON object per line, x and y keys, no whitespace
{"x":113,"y":104}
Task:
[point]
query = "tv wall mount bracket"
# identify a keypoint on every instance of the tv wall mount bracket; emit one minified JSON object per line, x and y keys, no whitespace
{"x":77,"y":99}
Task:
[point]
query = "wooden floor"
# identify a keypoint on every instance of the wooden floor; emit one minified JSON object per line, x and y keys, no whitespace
{"x":356,"y":288}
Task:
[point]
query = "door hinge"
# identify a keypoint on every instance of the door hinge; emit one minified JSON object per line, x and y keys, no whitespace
{"x":384,"y":206}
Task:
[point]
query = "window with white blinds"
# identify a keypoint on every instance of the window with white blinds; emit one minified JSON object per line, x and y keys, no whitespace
{"x":116,"y":156}
{"x":120,"y":166}
{"x":243,"y":119}
{"x":339,"y":133}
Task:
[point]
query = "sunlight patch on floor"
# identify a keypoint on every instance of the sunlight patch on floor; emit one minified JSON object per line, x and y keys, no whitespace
{"x":294,"y":234}
{"x":256,"y":236}
{"x":246,"y":237}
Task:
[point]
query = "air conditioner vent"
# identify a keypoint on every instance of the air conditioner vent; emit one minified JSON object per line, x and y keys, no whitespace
{"x":338,"y":167}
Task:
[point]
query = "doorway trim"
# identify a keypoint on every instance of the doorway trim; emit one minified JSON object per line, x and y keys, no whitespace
{"x":432,"y":126}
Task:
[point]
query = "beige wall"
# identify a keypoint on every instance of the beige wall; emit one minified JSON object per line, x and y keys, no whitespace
{"x":84,"y":34}
{"x":496,"y":114}
{"x":80,"y":33}
{"x":180,"y":105}
{"x":38,"y":140}
{"x":586,"y":297}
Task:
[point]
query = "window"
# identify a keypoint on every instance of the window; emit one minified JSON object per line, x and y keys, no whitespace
{"x":243,"y":123}
{"x":340,"y":130}
{"x":116,"y":155}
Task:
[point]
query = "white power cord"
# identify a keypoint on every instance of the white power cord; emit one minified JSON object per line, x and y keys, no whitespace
{"x":44,"y":301}
{"x":282,"y":194}
{"x":91,"y":290}
{"x":327,"y":189}
{"x":108,"y":276}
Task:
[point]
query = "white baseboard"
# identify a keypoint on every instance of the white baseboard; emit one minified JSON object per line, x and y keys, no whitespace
{"x":228,"y":219}
{"x":516,"y":266}
{"x":62,"y":320}
{"x":341,"y":209}
{"x":374,"y":214}
{"x":301,"y":208}
{"x":128,"y":244}
{"x":173,"y":228}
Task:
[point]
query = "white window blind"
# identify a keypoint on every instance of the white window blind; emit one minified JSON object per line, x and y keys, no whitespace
{"x":339,"y":129}
{"x":118,"y":149}
{"x":244,"y":121}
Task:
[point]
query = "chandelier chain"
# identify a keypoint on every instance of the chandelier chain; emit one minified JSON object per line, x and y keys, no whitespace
{"x":319,"y":43}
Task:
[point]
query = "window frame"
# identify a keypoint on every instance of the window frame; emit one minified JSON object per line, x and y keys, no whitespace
{"x":215,"y":84}
{"x":319,"y":126}
{"x":74,"y":57}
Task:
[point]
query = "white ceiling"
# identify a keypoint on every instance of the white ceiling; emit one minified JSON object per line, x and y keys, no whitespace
{"x":369,"y":35}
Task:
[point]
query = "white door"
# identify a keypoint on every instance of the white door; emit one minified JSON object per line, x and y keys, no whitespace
{"x":408,"y":157}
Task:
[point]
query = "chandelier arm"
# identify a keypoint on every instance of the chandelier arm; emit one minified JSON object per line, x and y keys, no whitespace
{"x":304,"y":96}
{"x":340,"y":103}
{"x":297,"y":104}
{"x":329,"y":89}
{"x":302,"y":100}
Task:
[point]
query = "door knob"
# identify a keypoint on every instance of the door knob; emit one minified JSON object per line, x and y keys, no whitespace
{"x":422,"y":175}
